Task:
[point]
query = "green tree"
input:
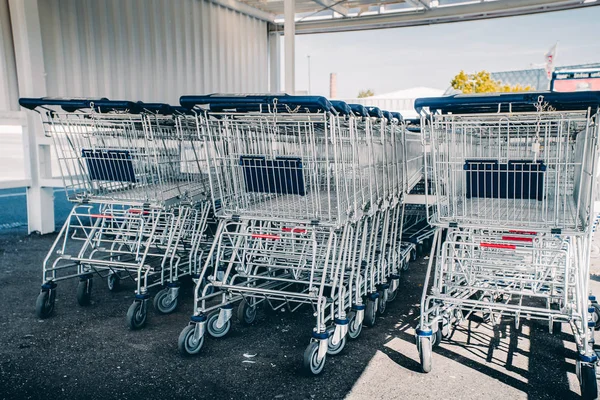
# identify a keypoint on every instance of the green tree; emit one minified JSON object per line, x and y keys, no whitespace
{"x":482,"y":82}
{"x":365,"y":93}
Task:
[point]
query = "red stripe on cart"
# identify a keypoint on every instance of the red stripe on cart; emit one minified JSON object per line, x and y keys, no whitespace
{"x":524,"y":232}
{"x":498,"y":246}
{"x":105,"y":216}
{"x":294,"y":230}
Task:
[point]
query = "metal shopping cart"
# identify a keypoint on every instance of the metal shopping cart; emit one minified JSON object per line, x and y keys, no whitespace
{"x":305,"y":190}
{"x":134,"y":173}
{"x":513,"y":177}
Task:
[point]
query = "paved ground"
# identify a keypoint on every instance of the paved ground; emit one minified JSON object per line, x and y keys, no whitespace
{"x":89,"y":351}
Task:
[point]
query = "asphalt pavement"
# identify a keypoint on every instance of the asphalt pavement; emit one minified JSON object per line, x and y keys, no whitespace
{"x":90,"y":353}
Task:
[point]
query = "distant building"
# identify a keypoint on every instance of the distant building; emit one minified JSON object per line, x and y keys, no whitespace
{"x":536,"y":78}
{"x":402,"y":101}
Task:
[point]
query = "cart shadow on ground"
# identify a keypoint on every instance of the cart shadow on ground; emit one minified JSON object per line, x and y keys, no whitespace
{"x":527,"y":358}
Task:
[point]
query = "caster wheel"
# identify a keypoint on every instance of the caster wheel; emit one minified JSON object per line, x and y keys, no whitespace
{"x":337,"y":348}
{"x":246,"y":313}
{"x":353,"y":331}
{"x":44,"y":305}
{"x":113,"y":282}
{"x":213,"y":330}
{"x":370,"y":312}
{"x":311,"y":364}
{"x":588,"y":382}
{"x":187,"y":344}
{"x":136,"y":315}
{"x":596,"y":315}
{"x":436,"y":338}
{"x":164,"y":303}
{"x":382,"y":301}
{"x":424,"y":343}
{"x":84,"y":292}
{"x":392,"y":295}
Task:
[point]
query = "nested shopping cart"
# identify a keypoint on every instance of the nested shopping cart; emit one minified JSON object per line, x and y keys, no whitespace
{"x":134,"y":174}
{"x":299,"y":185}
{"x":513,"y":178}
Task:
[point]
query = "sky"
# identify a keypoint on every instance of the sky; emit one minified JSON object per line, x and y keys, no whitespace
{"x":387,"y":60}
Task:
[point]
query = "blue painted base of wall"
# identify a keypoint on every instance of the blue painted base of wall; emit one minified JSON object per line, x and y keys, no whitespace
{"x":13,"y":209}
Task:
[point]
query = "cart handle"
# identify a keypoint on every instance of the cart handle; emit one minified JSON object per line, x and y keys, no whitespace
{"x":341,"y":107}
{"x":105,"y":106}
{"x":387,"y":115}
{"x":375,"y":112}
{"x":255,"y":102}
{"x":359,"y":110}
{"x":507,"y":102}
{"x":67,"y":104}
{"x":156,"y":108}
{"x":398,"y":116}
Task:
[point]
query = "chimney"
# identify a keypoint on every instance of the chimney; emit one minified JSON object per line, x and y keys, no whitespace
{"x":333,"y":85}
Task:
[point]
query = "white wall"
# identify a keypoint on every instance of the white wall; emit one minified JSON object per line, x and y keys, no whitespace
{"x":150,"y":50}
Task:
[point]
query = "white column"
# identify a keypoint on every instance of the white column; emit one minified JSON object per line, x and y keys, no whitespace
{"x":289,"y":30}
{"x":274,"y":63}
{"x":29,"y":60}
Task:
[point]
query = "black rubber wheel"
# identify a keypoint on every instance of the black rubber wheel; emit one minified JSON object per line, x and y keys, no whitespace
{"x":382,"y":301}
{"x":334,"y":349}
{"x":353,"y":331}
{"x":246,"y":313}
{"x":588,"y":382}
{"x":370,"y":312}
{"x":392,"y":295}
{"x":113,"y":282}
{"x":136,"y":315}
{"x":84,"y":292}
{"x":310,"y":364}
{"x":163,"y":303}
{"x":44,"y":305}
{"x":425,"y":353}
{"x":436,"y":338}
{"x":186,"y":344}
{"x":596,"y":316}
{"x":211,"y":326}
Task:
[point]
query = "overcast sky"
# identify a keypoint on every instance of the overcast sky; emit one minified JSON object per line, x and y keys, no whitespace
{"x":392,"y":59}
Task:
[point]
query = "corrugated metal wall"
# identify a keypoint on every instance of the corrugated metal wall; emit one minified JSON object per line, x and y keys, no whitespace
{"x":8,"y":74}
{"x":151,"y":50}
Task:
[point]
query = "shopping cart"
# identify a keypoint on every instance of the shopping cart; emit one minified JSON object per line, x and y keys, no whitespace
{"x":305,"y":190}
{"x":513,"y":178}
{"x":133,"y":172}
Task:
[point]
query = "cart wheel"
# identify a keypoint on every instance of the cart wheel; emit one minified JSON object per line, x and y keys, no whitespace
{"x":334,"y":349}
{"x":187,"y":344}
{"x":136,"y":315}
{"x":425,"y":353}
{"x":353,"y":331}
{"x":437,"y":338}
{"x":211,"y":326}
{"x":392,"y":295}
{"x":382,"y":301}
{"x":370,"y":312}
{"x":164,"y":303}
{"x":311,"y":364}
{"x":596,"y":315}
{"x":246,"y":313}
{"x":44,"y":305}
{"x":587,"y":381}
{"x":84,"y":292}
{"x":113,"y":282}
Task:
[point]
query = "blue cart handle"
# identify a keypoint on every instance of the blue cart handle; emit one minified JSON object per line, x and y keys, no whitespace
{"x":252,"y":102}
{"x":375,"y":112}
{"x":156,"y":108}
{"x":105,"y":106}
{"x":67,"y":104}
{"x":507,"y":102}
{"x":359,"y":110}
